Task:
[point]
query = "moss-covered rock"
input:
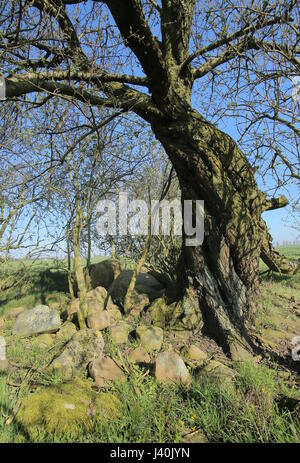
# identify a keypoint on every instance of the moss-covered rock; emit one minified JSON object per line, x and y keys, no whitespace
{"x":44,"y":340}
{"x":70,"y":408}
{"x":158,"y":312}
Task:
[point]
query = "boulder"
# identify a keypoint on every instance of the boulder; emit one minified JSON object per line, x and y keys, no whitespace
{"x":66,"y":331}
{"x":139,"y":355}
{"x":83,"y":348}
{"x":145,"y":284}
{"x":103,"y":273}
{"x":105,"y":370}
{"x":70,"y":408}
{"x":119,"y":332}
{"x":170,"y":368}
{"x":39,"y":320}
{"x":99,"y":320}
{"x":151,"y":338}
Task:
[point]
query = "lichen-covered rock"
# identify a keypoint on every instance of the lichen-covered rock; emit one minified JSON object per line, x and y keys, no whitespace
{"x":83,"y":348}
{"x":157,"y":312}
{"x":195,"y":353}
{"x":44,"y":340}
{"x":151,"y":338}
{"x":219,"y":372}
{"x":170,"y":368}
{"x":66,"y":331}
{"x":103,"y":273}
{"x":145,"y":284}
{"x":105,"y":370}
{"x":39,"y":320}
{"x":139,"y":355}
{"x":119,"y":332}
{"x":99,"y":320}
{"x":69,"y":408}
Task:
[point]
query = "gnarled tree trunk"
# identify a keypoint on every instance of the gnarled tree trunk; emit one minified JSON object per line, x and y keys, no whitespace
{"x":224,"y":269}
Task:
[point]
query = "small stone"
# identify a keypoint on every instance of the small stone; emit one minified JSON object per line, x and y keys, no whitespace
{"x":197,"y":437}
{"x":99,"y":320}
{"x":139,"y":355}
{"x":105,"y":370}
{"x":219,"y":372}
{"x":14,"y":313}
{"x":170,"y":368}
{"x":239,"y":353}
{"x":114,"y":313}
{"x":44,"y":340}
{"x":194,"y":353}
{"x":119,"y":332}
{"x":95,"y":301}
{"x":66,"y":331}
{"x":151,"y":338}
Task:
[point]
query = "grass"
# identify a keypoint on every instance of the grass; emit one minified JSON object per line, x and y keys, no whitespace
{"x":150,"y":412}
{"x":252,"y":410}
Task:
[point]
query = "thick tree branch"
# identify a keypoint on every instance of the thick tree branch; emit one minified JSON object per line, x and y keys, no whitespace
{"x":119,"y":95}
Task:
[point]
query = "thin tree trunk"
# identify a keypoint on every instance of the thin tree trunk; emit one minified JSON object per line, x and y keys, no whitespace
{"x":141,"y":262}
{"x":70,"y":279}
{"x":89,"y":256}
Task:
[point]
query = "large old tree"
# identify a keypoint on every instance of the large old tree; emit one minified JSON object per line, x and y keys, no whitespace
{"x":148,"y":57}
